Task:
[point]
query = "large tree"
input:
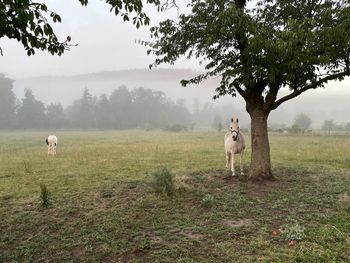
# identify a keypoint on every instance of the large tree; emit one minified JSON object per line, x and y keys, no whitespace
{"x":7,"y":103}
{"x":303,"y":121}
{"x":103,"y":112}
{"x":86,"y":113}
{"x":55,"y":116}
{"x":30,"y":22}
{"x":288,"y":45}
{"x":31,"y":113}
{"x":121,"y":106}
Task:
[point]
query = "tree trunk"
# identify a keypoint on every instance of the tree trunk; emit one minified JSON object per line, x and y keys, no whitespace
{"x":260,"y":166}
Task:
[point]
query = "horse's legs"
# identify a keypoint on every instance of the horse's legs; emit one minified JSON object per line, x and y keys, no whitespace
{"x":48,"y":149}
{"x":233,"y":163}
{"x":228,"y":158}
{"x":241,"y":162}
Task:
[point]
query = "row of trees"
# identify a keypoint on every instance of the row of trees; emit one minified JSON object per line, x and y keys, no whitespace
{"x":123,"y":109}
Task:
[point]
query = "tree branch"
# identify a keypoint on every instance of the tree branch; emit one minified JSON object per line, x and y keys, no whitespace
{"x":271,"y":96}
{"x":313,"y":85}
{"x":239,"y":90}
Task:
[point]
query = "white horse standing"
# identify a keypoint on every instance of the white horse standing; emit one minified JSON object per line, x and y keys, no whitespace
{"x":51,"y":142}
{"x":234,"y":143}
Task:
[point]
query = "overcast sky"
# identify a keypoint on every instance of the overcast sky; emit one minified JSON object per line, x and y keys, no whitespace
{"x":104,"y":41}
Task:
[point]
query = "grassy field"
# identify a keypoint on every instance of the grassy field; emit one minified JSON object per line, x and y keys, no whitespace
{"x":103,"y":208}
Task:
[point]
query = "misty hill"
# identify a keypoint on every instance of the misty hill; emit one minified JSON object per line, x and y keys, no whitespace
{"x":65,"y":89}
{"x":330,"y":103}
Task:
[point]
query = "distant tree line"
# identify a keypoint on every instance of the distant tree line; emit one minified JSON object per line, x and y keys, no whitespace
{"x":129,"y":109}
{"x":302,"y":125}
{"x":123,"y":109}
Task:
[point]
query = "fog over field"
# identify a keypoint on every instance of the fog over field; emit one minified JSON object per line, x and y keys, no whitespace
{"x":331,"y":103}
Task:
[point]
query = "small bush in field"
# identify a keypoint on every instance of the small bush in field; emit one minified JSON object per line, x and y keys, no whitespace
{"x":163,"y":181}
{"x":44,"y":196}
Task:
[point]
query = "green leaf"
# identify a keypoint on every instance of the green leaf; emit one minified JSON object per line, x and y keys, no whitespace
{"x":56,"y":18}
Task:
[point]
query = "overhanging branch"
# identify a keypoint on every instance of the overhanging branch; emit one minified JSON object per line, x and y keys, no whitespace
{"x":239,"y":90}
{"x":313,"y":85}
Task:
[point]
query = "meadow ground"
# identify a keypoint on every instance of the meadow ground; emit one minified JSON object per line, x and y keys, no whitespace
{"x":103,"y":209}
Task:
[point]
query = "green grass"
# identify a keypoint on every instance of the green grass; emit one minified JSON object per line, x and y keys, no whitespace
{"x":103,"y":208}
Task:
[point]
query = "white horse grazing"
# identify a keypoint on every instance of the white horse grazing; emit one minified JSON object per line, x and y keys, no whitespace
{"x":234,"y":143}
{"x":51,"y":142}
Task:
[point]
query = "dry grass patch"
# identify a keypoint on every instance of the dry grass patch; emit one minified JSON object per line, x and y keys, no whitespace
{"x":238,"y":222}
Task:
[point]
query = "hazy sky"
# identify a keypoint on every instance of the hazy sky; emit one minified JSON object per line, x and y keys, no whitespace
{"x":104,"y":41}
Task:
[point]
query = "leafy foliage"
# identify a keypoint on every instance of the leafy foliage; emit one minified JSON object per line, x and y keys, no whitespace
{"x":303,"y":121}
{"x":27,"y":22}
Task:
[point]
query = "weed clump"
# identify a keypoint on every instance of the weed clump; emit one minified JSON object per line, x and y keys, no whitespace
{"x":163,"y":181}
{"x":314,"y":253}
{"x":44,"y":196}
{"x":293,"y":231}
{"x":208,"y":201}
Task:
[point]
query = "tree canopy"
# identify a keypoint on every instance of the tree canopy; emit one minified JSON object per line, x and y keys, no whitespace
{"x":303,"y":121}
{"x":296,"y":44}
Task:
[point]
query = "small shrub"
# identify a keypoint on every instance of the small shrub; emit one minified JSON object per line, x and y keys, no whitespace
{"x":163,"y":181}
{"x":44,"y":196}
{"x":208,"y":200}
{"x":293,"y":231}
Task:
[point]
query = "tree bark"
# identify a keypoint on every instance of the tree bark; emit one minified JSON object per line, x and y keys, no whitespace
{"x":260,"y":166}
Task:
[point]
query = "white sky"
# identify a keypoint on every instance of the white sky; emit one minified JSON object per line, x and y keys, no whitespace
{"x":104,"y":41}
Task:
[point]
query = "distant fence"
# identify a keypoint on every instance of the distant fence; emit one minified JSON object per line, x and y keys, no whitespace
{"x":311,"y":133}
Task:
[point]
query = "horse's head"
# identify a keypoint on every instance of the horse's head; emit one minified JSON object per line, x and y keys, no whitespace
{"x":234,"y":128}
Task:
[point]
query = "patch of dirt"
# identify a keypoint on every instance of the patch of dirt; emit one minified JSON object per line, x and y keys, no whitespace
{"x":238,"y":222}
{"x":194,"y":236}
{"x":258,"y":190}
{"x":78,"y":252}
